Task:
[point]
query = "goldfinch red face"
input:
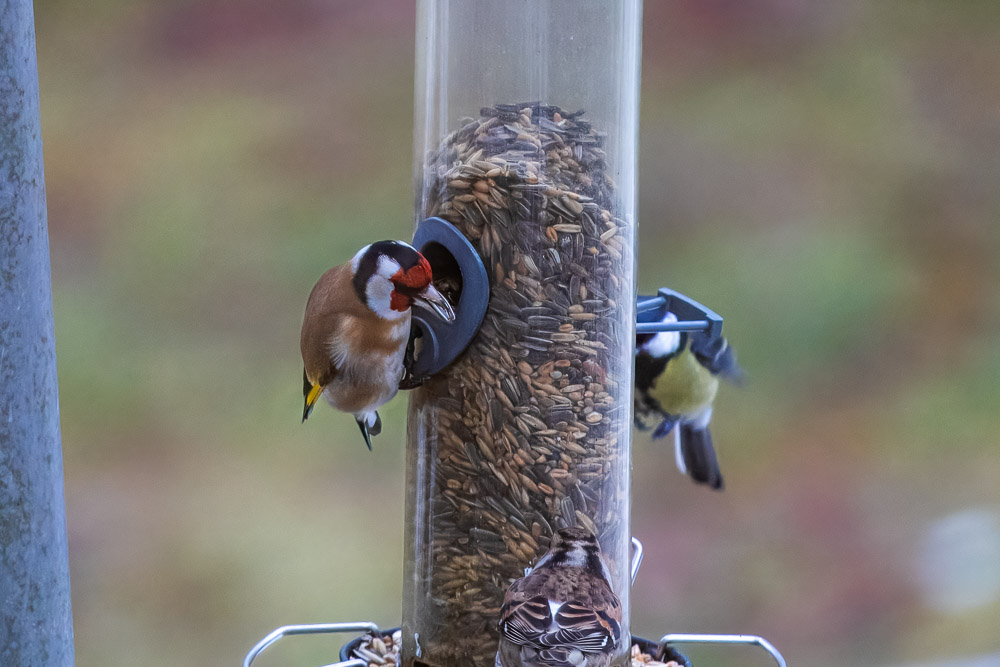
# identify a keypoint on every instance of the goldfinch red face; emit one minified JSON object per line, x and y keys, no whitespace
{"x":389,"y":276}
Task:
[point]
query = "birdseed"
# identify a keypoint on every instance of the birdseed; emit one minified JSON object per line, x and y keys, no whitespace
{"x":529,"y":430}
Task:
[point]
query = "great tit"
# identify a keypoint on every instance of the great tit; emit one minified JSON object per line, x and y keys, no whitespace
{"x":676,"y":379}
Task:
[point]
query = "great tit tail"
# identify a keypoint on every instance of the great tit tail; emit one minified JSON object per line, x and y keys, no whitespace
{"x":696,"y":455}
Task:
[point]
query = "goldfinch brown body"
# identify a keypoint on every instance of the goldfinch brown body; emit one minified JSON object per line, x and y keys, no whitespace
{"x":676,"y":380}
{"x":563,"y":612}
{"x":356,"y":328}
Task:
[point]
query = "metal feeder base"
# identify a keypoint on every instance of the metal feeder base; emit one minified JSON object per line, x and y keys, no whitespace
{"x":645,"y":645}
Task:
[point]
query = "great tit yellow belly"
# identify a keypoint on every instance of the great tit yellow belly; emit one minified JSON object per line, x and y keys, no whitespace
{"x":676,"y":379}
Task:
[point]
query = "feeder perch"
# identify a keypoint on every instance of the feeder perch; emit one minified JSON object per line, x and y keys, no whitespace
{"x":452,"y":256}
{"x":691,"y":315}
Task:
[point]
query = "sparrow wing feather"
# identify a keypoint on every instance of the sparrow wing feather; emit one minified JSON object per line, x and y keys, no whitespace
{"x":525,"y":621}
{"x":589,"y":628}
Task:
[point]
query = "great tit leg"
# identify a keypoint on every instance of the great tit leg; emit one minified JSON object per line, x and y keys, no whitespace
{"x":665,"y":426}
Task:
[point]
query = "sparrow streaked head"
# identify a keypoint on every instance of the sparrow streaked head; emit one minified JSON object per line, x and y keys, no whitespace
{"x":356,"y":328}
{"x":676,"y":379}
{"x":563,"y":613}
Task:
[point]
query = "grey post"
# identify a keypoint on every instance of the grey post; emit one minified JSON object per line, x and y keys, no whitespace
{"x":36,"y":623}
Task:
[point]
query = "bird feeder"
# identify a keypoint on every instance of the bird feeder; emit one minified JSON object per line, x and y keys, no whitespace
{"x":525,"y":142}
{"x":526,"y":118}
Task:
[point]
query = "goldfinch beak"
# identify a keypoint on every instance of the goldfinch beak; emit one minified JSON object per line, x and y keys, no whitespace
{"x":434,"y":300}
{"x":311,"y":398}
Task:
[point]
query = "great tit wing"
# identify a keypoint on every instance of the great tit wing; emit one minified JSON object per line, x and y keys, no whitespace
{"x":647,"y":369}
{"x":717,"y":355}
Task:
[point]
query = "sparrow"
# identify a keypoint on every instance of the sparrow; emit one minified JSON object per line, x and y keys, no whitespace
{"x":676,"y":379}
{"x":563,"y":612}
{"x":356,"y":328}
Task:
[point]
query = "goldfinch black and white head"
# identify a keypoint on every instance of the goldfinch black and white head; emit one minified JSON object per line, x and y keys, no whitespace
{"x":676,"y":380}
{"x":563,"y":612}
{"x":356,"y":327}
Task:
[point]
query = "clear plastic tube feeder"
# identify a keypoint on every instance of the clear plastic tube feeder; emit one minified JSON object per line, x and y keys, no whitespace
{"x":525,"y":140}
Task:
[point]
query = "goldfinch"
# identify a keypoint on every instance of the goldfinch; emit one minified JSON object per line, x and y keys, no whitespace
{"x":676,"y":379}
{"x":356,"y":328}
{"x":562,"y":613}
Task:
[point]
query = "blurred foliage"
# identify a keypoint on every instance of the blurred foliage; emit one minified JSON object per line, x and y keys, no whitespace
{"x":823,"y":174}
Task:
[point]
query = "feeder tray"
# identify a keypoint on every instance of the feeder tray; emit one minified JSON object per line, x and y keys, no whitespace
{"x":348,"y":652}
{"x":662,"y":650}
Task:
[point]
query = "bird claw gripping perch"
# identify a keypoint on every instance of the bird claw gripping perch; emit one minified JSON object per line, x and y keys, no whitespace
{"x":452,"y":256}
{"x":691,"y":315}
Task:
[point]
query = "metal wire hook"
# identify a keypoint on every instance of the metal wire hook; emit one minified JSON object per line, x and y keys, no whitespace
{"x":751,"y":640}
{"x":636,"y":558}
{"x":313,"y":629}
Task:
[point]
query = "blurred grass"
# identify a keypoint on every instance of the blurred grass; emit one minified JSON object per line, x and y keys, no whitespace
{"x":823,"y":175}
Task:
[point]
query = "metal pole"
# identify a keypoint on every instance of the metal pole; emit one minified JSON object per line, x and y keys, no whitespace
{"x":36,"y":624}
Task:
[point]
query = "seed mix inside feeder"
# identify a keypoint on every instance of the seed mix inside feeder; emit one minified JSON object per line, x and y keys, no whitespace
{"x":527,"y":432}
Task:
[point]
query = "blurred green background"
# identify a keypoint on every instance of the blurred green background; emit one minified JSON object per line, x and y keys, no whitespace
{"x":823,"y":174}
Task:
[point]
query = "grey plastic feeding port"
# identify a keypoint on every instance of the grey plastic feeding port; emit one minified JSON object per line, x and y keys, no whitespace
{"x":450,"y":255}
